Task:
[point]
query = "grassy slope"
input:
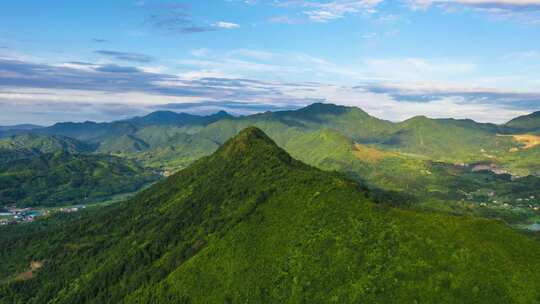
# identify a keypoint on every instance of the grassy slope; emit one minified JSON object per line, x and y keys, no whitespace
{"x":251,"y":224}
{"x":525,"y":161}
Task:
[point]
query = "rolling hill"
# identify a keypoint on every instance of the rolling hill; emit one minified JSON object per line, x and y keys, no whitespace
{"x":62,"y":178}
{"x":400,"y":158}
{"x":448,"y":139}
{"x":527,"y":123}
{"x":158,"y":133}
{"x":168,"y":118}
{"x":438,"y":139}
{"x":44,"y":143}
{"x":250,"y":224}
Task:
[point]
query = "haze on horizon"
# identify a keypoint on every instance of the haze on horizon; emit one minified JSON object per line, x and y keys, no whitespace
{"x":108,"y":60}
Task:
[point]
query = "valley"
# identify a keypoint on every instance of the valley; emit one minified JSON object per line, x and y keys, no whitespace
{"x":250,"y":223}
{"x":445,"y":165}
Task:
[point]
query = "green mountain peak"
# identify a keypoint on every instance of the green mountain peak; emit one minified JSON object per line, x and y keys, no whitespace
{"x":252,"y":144}
{"x":250,"y":136}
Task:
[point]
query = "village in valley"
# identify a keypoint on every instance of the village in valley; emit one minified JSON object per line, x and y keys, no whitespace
{"x":13,"y":215}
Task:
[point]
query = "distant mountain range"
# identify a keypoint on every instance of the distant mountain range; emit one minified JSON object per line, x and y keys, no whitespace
{"x":430,"y":162}
{"x":160,"y":118}
{"x":20,"y":127}
{"x":250,"y":224}
{"x":351,"y":121}
{"x":176,"y":139}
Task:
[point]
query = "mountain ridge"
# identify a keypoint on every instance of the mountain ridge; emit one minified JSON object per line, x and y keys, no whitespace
{"x":529,"y":122}
{"x":177,"y":119}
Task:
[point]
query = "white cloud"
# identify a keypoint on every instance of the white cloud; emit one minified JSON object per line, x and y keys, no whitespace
{"x":493,"y":3}
{"x":226,"y":25}
{"x":390,"y":88}
{"x":386,"y":106}
{"x":416,"y":69}
{"x":318,"y":11}
{"x":524,"y":11}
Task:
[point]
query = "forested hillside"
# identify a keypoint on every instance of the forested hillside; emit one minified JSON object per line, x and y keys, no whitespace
{"x":455,"y":166}
{"x":250,"y":224}
{"x":62,"y":178}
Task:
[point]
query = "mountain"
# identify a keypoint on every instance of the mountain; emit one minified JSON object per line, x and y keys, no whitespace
{"x":160,"y":118}
{"x":61,"y":178}
{"x":526,"y":123}
{"x":122,"y":143}
{"x":129,"y":136}
{"x":20,"y":127}
{"x":250,"y":224}
{"x":350,"y":121}
{"x":44,"y":143}
{"x":441,"y":139}
{"x":6,"y":131}
{"x":171,"y":148}
{"x":448,"y":139}
{"x":88,"y":131}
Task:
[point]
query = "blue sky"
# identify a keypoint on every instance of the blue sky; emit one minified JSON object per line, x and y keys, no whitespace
{"x":103,"y":60}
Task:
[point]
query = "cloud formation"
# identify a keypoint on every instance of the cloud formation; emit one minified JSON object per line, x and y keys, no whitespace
{"x":526,"y":11}
{"x":226,"y":25}
{"x":178,"y":18}
{"x":328,"y":10}
{"x":521,"y":4}
{"x":324,"y":11}
{"x":125,"y":56}
{"x":42,"y":93}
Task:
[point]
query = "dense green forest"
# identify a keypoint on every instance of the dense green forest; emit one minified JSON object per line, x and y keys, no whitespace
{"x":44,"y":144}
{"x":439,"y":139}
{"x":250,"y":224}
{"x":35,"y":179}
{"x":173,"y":140}
{"x":431,"y":162}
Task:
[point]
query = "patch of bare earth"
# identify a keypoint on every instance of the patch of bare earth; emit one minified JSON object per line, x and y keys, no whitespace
{"x":526,"y":141}
{"x":371,"y":154}
{"x":27,"y":275}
